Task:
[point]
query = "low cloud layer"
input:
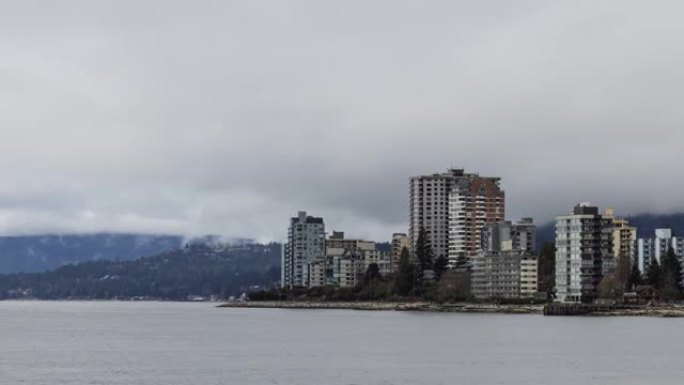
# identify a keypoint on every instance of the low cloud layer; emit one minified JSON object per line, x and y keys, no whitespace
{"x":228,"y":117}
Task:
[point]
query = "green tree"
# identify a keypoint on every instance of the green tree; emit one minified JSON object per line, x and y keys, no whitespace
{"x":454,"y":286}
{"x":424,"y":251}
{"x":634,"y":279}
{"x":671,"y":276}
{"x":440,"y":266}
{"x":547,"y":267}
{"x":610,"y":287}
{"x":623,"y":271}
{"x":654,"y":274}
{"x":461,"y":260}
{"x":405,"y":277}
{"x":372,"y":273}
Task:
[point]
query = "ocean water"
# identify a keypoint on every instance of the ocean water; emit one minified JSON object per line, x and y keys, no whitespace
{"x":89,"y":343}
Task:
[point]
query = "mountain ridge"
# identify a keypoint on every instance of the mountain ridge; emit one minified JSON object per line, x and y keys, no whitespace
{"x":194,"y":271}
{"x":44,"y":252}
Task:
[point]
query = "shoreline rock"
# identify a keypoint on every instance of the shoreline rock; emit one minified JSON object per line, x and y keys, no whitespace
{"x":663,"y":312}
{"x":390,"y":306}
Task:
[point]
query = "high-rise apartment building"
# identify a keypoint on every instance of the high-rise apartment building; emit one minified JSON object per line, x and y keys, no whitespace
{"x":305,"y":243}
{"x":584,"y":241}
{"x":649,"y":249}
{"x":453,"y":208}
{"x":429,"y":209}
{"x":474,"y":201}
{"x":399,"y":242}
{"x":624,"y":241}
{"x":529,"y":275}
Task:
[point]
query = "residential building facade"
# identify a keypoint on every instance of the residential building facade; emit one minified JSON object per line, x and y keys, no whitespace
{"x":318,"y":275}
{"x":529,"y":275}
{"x":305,"y":243}
{"x":583,"y":244}
{"x":624,"y":242}
{"x":500,"y":275}
{"x":429,"y":209}
{"x":453,"y":208}
{"x":344,"y":267}
{"x":474,"y":201}
{"x":346,"y":261}
{"x":521,"y":235}
{"x":399,"y":242}
{"x":654,"y":248}
{"x":500,"y":269}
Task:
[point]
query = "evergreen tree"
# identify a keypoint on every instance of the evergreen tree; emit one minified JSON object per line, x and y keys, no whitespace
{"x":424,"y":251}
{"x":461,"y":260}
{"x":547,"y":267}
{"x":671,"y":276}
{"x":654,"y":274}
{"x":440,"y":266}
{"x":405,"y":276}
{"x":634,"y":279}
{"x":372,"y":273}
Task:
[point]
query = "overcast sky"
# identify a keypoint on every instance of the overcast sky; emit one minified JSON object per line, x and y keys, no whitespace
{"x":227,"y":117}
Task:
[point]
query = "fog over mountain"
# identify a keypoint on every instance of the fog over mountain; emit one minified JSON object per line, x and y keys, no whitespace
{"x":228,"y":117}
{"x":38,"y":253}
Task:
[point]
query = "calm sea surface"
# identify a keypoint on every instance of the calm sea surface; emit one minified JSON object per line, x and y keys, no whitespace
{"x":195,"y":344}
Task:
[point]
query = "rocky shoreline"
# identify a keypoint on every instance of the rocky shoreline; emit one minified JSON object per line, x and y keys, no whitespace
{"x":664,"y":311}
{"x":390,"y":306}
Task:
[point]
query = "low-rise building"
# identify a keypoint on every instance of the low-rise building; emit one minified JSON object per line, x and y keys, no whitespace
{"x":346,"y":262}
{"x":347,"y":270}
{"x":496,"y":274}
{"x":317,"y":272}
{"x":501,"y":270}
{"x":381,"y":258}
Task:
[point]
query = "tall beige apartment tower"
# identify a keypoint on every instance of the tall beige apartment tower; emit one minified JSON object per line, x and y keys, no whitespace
{"x":453,"y":208}
{"x":399,"y":242}
{"x":624,"y":242}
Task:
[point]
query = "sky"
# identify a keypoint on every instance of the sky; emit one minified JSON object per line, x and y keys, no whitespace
{"x":228,"y":117}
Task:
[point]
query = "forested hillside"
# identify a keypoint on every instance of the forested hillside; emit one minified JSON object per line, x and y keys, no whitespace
{"x":195,"y":270}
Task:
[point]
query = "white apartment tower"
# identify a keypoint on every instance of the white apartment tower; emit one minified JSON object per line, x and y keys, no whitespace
{"x":584,"y":241}
{"x":649,"y":249}
{"x":429,"y":209}
{"x":305,"y":243}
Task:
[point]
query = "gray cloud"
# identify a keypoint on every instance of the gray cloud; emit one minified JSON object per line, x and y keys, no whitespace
{"x":228,"y":117}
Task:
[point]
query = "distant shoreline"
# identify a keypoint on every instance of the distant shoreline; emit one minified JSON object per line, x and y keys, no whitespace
{"x":664,"y":312}
{"x":388,"y":306}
